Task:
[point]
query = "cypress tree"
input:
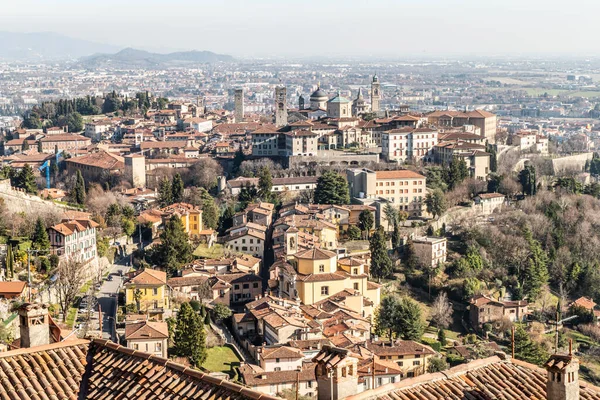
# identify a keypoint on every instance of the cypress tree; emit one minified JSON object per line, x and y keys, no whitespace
{"x":39,"y":147}
{"x":177,"y":189}
{"x":165,"y":194}
{"x":174,"y":248}
{"x":381,"y":264}
{"x":10,"y":272}
{"x":190,"y":336}
{"x":79,"y":190}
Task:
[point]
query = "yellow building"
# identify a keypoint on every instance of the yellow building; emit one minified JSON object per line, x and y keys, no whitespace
{"x":318,"y":276}
{"x":191,"y":217}
{"x":147,"y":291}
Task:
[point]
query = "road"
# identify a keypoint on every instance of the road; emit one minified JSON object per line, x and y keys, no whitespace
{"x":108,"y":299}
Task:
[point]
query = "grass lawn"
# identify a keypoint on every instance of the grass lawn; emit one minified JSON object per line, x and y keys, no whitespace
{"x":216,"y":251}
{"x":71,"y":317}
{"x":221,"y":359}
{"x":86,"y":286}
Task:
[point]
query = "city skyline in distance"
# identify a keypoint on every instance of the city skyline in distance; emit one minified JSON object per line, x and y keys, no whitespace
{"x":268,"y":28}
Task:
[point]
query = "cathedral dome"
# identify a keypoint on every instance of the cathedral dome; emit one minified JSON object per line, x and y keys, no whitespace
{"x":318,"y":94}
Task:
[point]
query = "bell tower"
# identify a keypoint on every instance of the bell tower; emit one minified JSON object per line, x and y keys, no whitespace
{"x":375,"y":94}
{"x":281,"y":115}
{"x":239,"y":105}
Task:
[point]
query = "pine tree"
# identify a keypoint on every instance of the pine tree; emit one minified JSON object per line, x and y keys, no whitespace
{"x":190,"y":336}
{"x":381,"y":264}
{"x":165,"y":194}
{"x":528,"y":180}
{"x":535,"y":274}
{"x":528,"y":350}
{"x":332,"y":188}
{"x":174,"y":248}
{"x":457,"y":172}
{"x":396,"y":236}
{"x":385,"y":318}
{"x":177,"y":189}
{"x":26,"y":180}
{"x":436,"y":203}
{"x":40,"y":239}
{"x":79,"y":190}
{"x":410,"y":259}
{"x":226,"y":219}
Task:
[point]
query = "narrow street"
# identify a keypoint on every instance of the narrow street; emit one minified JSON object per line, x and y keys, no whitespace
{"x":108,"y":299}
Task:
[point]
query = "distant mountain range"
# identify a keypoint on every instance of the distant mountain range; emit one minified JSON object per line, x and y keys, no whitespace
{"x":42,"y":46}
{"x":140,"y":58}
{"x":49,"y":46}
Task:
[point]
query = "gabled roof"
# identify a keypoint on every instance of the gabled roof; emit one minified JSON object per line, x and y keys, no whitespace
{"x":149,"y":277}
{"x":280,"y":352}
{"x":12,"y":287}
{"x":315,"y":254}
{"x":147,"y":330}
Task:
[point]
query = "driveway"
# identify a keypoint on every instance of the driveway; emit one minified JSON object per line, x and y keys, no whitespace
{"x":108,"y":299}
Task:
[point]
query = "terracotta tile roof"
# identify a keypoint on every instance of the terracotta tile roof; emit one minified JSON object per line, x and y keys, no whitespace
{"x":280,"y":352}
{"x":147,"y":330}
{"x":66,"y":138}
{"x":489,"y":378}
{"x":315,"y":254}
{"x":400,"y":174}
{"x":260,"y":378}
{"x":149,"y":277}
{"x":12,"y":287}
{"x":584,"y":302}
{"x":320,"y":277}
{"x":101,"y":159}
{"x":120,"y":373}
{"x":400,"y":347}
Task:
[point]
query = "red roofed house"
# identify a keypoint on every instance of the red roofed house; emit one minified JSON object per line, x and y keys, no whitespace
{"x":484,"y":309}
{"x":12,"y":290}
{"x":148,"y":336}
{"x":74,"y":238}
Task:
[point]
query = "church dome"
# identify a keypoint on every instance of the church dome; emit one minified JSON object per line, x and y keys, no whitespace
{"x":319,"y":94}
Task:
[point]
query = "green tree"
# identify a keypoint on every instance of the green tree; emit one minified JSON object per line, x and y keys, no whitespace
{"x":226,"y":219}
{"x":353,"y":232}
{"x":26,"y":180}
{"x":437,"y":365}
{"x":177,"y":189}
{"x":40,"y":239}
{"x":528,"y":180}
{"x":457,"y":172}
{"x":494,"y":182}
{"x":190,"y":336}
{"x":332,"y":188}
{"x":210,"y":211}
{"x":366,"y":221}
{"x":391,"y":214}
{"x":165,"y":194}
{"x":10,"y":269}
{"x":79,"y":189}
{"x":25,"y":145}
{"x":40,"y":149}
{"x":396,"y":236}
{"x":174,"y":249}
{"x":238,"y":159}
{"x":410,"y":259}
{"x":128,"y":227}
{"x":493,"y":157}
{"x":470,"y":288}
{"x":381,"y":264}
{"x":265,"y":183}
{"x":409,"y":324}
{"x":436,"y":203}
{"x":220,"y":311}
{"x":528,"y":350}
{"x":442,"y":337}
{"x":535,"y":274}
{"x":386,"y":316}
{"x":247,"y":195}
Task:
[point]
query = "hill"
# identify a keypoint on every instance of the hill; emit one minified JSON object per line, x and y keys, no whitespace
{"x":41,"y":46}
{"x":140,"y":58}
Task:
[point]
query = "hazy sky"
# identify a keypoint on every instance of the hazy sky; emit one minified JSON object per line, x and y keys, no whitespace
{"x":312,"y":27}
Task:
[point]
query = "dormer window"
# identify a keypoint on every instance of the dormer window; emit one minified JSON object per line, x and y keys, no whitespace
{"x":322,"y":268}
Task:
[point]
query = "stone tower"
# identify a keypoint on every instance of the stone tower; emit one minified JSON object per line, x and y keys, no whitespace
{"x":34,"y":325}
{"x":375,"y":94}
{"x":239,"y":105}
{"x":301,"y":102}
{"x":562,"y":382}
{"x":281,"y":115}
{"x":135,"y":170}
{"x":336,"y":373}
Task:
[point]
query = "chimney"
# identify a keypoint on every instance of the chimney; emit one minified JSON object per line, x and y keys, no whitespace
{"x":562,"y":382}
{"x":34,"y":327}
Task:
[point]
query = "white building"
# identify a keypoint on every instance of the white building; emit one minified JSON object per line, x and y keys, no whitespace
{"x":408,"y":143}
{"x":430,"y":250}
{"x":74,"y":239}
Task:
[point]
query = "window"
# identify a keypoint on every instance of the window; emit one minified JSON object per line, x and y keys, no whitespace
{"x":322,"y":268}
{"x":379,"y":381}
{"x":355,"y":271}
{"x":158,"y":346}
{"x":277,"y":360}
{"x":355,"y":285}
{"x":236,"y":287}
{"x":255,"y":285}
{"x":246,"y":286}
{"x":277,"y":369}
{"x":309,"y":384}
{"x":324,"y":290}
{"x":155,"y":291}
{"x":416,"y":362}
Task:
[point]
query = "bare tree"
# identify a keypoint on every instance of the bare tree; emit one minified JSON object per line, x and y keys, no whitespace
{"x":70,"y":280}
{"x":441,"y":311}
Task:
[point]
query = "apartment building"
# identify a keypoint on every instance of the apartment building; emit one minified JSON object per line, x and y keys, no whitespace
{"x":265,"y":142}
{"x":431,"y":251}
{"x":74,"y":239}
{"x":95,"y":130}
{"x":301,"y":143}
{"x":148,"y":336}
{"x":408,"y":143}
{"x":405,"y":189}
{"x":67,"y":143}
{"x":190,"y":216}
{"x":147,"y":291}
